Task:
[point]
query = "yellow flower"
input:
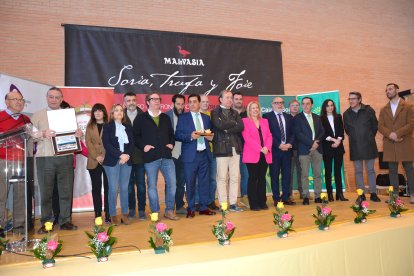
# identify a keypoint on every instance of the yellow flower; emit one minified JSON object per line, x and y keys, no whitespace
{"x":154,"y":216}
{"x":360,"y":192}
{"x":224,"y":206}
{"x":280,"y":205}
{"x":390,"y":189}
{"x":49,"y":226}
{"x":98,"y":221}
{"x":323,"y":196}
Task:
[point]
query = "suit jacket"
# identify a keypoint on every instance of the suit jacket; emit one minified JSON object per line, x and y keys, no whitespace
{"x":136,"y":157}
{"x":303,"y":133}
{"x":146,"y":132}
{"x":339,"y":132}
{"x":403,"y":125}
{"x":95,"y":146}
{"x":185,"y":126}
{"x":252,"y":145}
{"x":275,"y":130}
{"x":110,"y":142}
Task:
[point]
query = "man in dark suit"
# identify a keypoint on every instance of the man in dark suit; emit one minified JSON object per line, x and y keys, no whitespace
{"x":138,"y":171}
{"x":178,"y":102}
{"x":194,"y":155}
{"x":309,"y":132}
{"x":154,"y":135}
{"x":281,"y":127}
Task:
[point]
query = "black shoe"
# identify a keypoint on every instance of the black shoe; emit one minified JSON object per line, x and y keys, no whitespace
{"x":306,"y":201}
{"x":289,"y":202}
{"x":255,"y":209}
{"x":68,"y":226}
{"x":318,"y":200}
{"x":331,"y":198}
{"x":264,"y":207}
{"x":375,"y":198}
{"x":341,"y":197}
{"x":213,"y":206}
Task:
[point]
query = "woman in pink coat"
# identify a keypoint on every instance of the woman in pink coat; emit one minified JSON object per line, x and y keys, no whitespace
{"x":257,"y":154}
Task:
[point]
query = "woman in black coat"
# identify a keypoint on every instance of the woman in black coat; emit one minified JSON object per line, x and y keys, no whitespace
{"x":333,"y":148}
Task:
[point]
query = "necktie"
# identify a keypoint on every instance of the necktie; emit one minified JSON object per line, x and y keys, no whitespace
{"x":198,"y":128}
{"x":310,"y":120}
{"x":282,"y":129}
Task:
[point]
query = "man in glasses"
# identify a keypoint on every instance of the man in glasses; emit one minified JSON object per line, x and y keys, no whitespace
{"x":11,"y":157}
{"x":154,"y":135}
{"x":280,"y":124}
{"x":361,"y":125}
{"x":396,"y":124}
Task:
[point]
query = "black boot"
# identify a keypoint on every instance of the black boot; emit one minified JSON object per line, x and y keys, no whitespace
{"x":330,"y":197}
{"x":375,"y":198}
{"x":340,"y":196}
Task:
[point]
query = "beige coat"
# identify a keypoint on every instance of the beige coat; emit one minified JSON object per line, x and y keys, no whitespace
{"x":403,"y":125}
{"x":94,"y":145}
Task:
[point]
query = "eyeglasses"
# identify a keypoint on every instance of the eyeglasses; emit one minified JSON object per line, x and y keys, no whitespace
{"x":352,"y":99}
{"x":155,"y":99}
{"x":278,"y":102}
{"x":17,"y":100}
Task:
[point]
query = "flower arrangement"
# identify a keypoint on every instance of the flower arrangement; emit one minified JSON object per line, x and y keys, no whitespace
{"x":160,"y":239}
{"x":361,"y":208}
{"x":283,"y":220}
{"x":395,"y":204}
{"x":324,"y":216}
{"x":223,"y":230}
{"x":47,"y":249}
{"x":101,"y":241}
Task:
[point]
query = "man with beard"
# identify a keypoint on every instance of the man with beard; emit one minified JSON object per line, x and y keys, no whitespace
{"x":138,"y":171}
{"x":178,"y":102}
{"x":396,"y":124}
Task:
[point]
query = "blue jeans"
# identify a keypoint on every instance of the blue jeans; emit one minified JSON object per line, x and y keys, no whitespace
{"x":118,"y":174}
{"x":244,"y":177}
{"x":168,"y":170}
{"x":137,"y":178}
{"x":180,"y":182}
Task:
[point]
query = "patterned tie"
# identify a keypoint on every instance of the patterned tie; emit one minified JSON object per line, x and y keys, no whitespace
{"x":198,"y":128}
{"x":282,"y":129}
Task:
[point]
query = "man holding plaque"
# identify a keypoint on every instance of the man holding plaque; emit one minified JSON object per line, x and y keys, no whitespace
{"x":51,"y":166}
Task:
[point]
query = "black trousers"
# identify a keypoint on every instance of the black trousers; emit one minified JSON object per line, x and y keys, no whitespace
{"x":338,"y":160}
{"x":96,"y":179}
{"x":256,"y":185}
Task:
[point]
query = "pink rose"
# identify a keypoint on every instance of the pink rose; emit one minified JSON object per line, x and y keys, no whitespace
{"x":398,"y":201}
{"x":326,"y":210}
{"x":364,"y":204}
{"x":161,"y":227}
{"x":52,"y":245}
{"x":102,"y":237}
{"x":229,"y":226}
{"x":286,"y":217}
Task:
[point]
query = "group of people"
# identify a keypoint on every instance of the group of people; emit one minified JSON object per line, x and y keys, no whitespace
{"x":204,"y":151}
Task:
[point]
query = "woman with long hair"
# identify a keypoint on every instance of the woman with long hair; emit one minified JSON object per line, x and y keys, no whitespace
{"x":333,"y":148}
{"x":118,"y":141}
{"x":93,"y":138}
{"x":257,"y":154}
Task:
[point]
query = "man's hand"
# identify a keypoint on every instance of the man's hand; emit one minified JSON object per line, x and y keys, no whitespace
{"x":170,"y":146}
{"x":123,"y":158}
{"x":314,"y":146}
{"x":210,"y":137}
{"x":48,"y":133}
{"x":194,"y":135}
{"x":147,"y":148}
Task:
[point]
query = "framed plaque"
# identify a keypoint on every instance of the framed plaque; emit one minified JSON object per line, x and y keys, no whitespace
{"x":64,"y":143}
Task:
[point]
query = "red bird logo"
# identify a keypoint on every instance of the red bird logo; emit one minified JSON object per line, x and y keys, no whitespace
{"x":183,"y":52}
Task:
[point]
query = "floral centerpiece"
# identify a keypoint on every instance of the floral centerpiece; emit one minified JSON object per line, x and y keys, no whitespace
{"x":361,"y":208}
{"x":223,"y":230}
{"x":160,"y":239}
{"x":324,"y":216}
{"x":395,"y":204}
{"x":100,"y":241}
{"x":47,"y":249}
{"x":283,"y":220}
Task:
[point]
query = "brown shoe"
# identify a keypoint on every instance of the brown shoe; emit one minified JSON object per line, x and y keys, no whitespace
{"x":114,"y":220}
{"x":170,"y":215}
{"x":125,"y":219}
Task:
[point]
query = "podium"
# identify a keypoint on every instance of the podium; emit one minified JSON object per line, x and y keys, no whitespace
{"x":16,"y":178}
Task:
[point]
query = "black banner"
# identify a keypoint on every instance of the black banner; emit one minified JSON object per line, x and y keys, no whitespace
{"x":141,"y":61}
